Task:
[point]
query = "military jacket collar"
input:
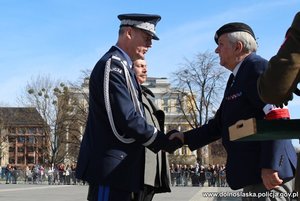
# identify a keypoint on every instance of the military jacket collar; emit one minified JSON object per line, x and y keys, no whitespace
{"x":128,"y":60}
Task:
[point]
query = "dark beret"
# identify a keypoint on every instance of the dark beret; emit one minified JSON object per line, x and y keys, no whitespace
{"x":146,"y":22}
{"x":233,"y":27}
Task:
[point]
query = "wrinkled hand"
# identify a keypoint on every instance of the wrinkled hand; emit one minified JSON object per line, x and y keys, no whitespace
{"x":174,"y":143}
{"x":270,"y":178}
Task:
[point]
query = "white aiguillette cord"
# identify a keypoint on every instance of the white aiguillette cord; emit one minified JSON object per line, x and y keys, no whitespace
{"x":132,"y":92}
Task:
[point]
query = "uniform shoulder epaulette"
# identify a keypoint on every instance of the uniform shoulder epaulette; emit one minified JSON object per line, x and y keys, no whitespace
{"x":116,"y":57}
{"x":119,"y":59}
{"x":118,"y":69}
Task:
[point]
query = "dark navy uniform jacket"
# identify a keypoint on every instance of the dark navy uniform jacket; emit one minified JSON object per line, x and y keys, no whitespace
{"x":104,"y":157}
{"x":245,"y":159}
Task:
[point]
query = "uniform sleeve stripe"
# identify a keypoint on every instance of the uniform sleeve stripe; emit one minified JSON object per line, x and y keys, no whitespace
{"x":151,"y":140}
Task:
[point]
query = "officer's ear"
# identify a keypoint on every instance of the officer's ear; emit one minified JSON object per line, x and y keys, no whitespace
{"x":129,"y":32}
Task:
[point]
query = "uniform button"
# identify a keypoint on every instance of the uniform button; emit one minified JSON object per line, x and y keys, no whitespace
{"x":281,"y":160}
{"x":122,"y":156}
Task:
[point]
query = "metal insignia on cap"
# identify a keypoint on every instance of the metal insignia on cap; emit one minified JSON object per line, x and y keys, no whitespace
{"x":138,"y":24}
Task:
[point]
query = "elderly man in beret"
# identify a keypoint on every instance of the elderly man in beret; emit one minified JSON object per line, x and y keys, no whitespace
{"x":112,"y":151}
{"x":277,"y":84}
{"x":259,"y":167}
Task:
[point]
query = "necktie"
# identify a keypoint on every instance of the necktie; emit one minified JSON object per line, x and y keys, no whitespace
{"x":230,"y":81}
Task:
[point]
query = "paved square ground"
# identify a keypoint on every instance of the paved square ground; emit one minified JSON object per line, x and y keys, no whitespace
{"x":30,"y":192}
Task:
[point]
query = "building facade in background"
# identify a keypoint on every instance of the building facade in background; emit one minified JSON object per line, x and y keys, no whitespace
{"x":177,"y":110}
{"x":170,"y":100}
{"x":72,"y":110}
{"x":25,"y":139}
{"x":167,"y":99}
{"x":22,"y":137}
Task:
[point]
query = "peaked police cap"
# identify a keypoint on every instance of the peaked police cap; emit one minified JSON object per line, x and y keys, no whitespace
{"x":145,"y":22}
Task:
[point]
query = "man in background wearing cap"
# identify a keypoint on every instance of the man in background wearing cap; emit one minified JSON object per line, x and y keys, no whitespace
{"x":255,"y":166}
{"x":277,"y":84}
{"x":112,"y":152}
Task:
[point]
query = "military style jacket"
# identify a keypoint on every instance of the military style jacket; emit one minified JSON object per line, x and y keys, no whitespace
{"x":280,"y":80}
{"x":245,"y":159}
{"x":112,"y":150}
{"x":277,"y":84}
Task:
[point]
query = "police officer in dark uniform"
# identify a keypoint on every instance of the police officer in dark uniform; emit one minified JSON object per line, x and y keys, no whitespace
{"x":112,"y":152}
{"x":277,"y":84}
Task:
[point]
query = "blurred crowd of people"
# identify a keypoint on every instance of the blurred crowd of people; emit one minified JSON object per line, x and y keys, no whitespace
{"x":198,"y":175}
{"x":60,"y":174}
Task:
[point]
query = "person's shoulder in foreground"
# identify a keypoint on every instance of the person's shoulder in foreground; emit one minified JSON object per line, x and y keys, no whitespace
{"x":280,"y":80}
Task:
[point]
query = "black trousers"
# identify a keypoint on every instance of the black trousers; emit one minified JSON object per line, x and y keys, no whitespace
{"x":146,"y":195}
{"x":106,"y":193}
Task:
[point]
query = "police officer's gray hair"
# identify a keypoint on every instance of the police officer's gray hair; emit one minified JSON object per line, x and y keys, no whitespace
{"x":250,"y":44}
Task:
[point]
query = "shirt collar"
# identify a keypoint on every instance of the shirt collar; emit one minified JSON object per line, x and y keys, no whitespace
{"x":236,"y":68}
{"x":125,"y":55}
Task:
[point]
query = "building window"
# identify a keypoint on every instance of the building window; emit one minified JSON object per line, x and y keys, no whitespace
{"x":30,"y":149}
{"x":21,"y":149}
{"x":21,"y":130}
{"x":12,"y":130}
{"x":20,"y":160}
{"x":36,"y":140}
{"x":11,"y":149}
{"x":32,"y":130}
{"x":165,"y":101}
{"x":165,"y":104}
{"x":29,"y":159}
{"x":185,"y":150}
{"x":11,"y":139}
{"x":166,"y":109}
{"x":21,"y":139}
{"x":30,"y":139}
{"x":178,"y":106}
{"x":11,"y":160}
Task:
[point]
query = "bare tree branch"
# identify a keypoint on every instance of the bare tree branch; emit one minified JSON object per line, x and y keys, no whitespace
{"x":200,"y":84}
{"x":202,"y":80}
{"x":63,"y":108}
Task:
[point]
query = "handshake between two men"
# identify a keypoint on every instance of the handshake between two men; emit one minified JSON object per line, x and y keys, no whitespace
{"x":175,"y":141}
